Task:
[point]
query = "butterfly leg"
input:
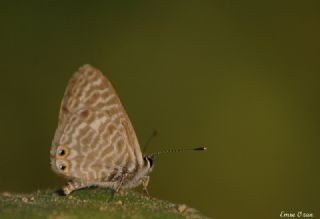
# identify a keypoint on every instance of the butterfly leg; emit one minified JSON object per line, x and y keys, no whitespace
{"x":123,"y":178}
{"x":72,"y":186}
{"x":113,"y":192}
{"x":118,"y":187}
{"x":145,"y":182}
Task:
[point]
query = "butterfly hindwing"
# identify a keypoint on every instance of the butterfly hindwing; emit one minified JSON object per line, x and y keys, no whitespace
{"x":94,"y":134}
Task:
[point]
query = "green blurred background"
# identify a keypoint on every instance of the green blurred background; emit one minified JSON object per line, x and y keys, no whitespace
{"x":241,"y":78}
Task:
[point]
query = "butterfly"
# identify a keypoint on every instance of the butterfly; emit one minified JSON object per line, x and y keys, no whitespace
{"x":95,"y":143}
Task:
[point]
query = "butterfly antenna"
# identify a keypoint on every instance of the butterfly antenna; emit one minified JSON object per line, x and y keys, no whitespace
{"x":176,"y":150}
{"x":154,"y":134}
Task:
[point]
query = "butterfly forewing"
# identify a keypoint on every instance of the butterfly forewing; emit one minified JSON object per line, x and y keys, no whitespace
{"x":95,"y":139}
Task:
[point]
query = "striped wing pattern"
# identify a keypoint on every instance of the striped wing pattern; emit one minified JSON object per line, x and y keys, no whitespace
{"x":95,"y":141}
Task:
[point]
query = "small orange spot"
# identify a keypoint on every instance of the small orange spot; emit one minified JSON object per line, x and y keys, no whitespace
{"x":84,"y":114}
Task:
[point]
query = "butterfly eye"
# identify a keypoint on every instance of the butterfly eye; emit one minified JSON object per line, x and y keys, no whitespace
{"x":62,"y":151}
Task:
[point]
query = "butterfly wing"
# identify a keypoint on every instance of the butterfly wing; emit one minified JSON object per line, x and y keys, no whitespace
{"x":94,"y":138}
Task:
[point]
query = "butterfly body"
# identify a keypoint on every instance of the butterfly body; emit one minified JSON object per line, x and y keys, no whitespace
{"x":95,"y":143}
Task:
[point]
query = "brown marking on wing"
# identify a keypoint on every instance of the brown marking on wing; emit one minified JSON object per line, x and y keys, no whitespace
{"x":84,"y":114}
{"x":120,"y":146}
{"x":111,"y":129}
{"x":107,"y":151}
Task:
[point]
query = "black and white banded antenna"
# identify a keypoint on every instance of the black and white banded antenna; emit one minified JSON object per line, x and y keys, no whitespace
{"x":176,"y":150}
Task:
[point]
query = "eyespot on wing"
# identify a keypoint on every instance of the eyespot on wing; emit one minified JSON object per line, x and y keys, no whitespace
{"x":62,"y":152}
